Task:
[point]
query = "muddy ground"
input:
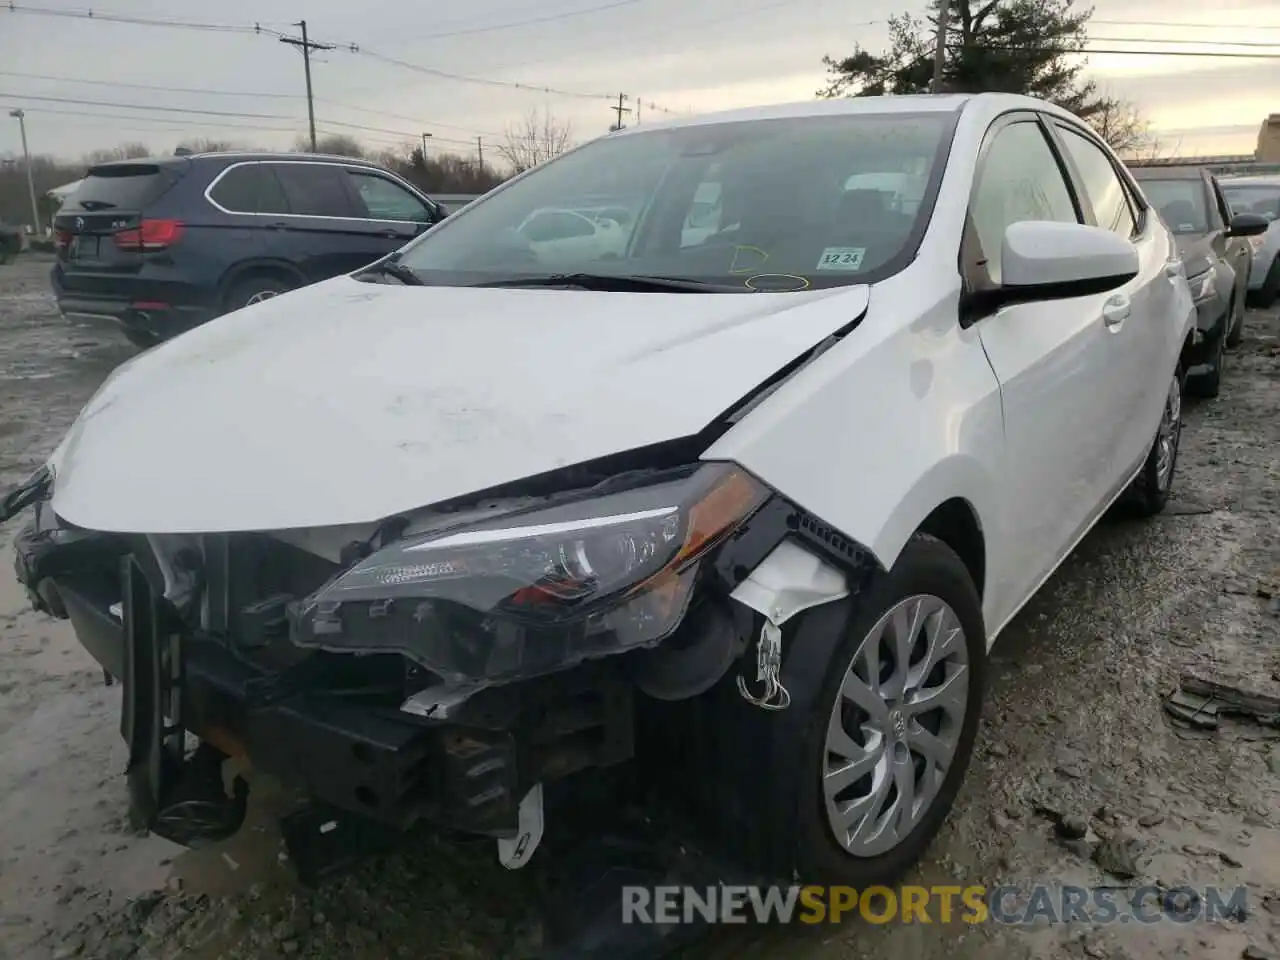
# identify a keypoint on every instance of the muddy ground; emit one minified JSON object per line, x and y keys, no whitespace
{"x":1074,"y":725}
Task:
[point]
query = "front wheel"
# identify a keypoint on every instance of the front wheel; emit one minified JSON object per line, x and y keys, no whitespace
{"x":1151,"y":487}
{"x":1236,"y":333}
{"x":892,"y":729}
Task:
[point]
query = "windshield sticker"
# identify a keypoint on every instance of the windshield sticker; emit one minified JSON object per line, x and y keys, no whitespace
{"x":745,"y":251}
{"x":842,"y":258}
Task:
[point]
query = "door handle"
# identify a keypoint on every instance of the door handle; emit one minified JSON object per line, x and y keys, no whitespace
{"x":1116,"y":311}
{"x":278,"y":225}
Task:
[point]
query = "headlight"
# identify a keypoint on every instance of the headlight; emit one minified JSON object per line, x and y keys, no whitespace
{"x":538,"y":591}
{"x":1202,"y":286}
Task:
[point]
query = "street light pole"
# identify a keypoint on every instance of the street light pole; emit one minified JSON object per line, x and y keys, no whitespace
{"x":26,"y":158}
{"x":424,"y":148}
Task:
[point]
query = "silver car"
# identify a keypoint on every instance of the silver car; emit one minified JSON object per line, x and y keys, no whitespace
{"x":1259,"y":194}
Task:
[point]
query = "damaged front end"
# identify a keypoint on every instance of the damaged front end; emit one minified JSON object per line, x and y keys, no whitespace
{"x":444,"y":666}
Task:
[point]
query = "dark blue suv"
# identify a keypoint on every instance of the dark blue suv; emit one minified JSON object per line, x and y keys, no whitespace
{"x":159,"y":246}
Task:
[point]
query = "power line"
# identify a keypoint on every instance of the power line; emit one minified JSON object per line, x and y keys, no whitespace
{"x":547,"y":18}
{"x":97,"y":115}
{"x":1087,"y":51}
{"x":247,"y":94}
{"x":20,"y":97}
{"x":1274,"y":44}
{"x":86,"y":14}
{"x":254,"y":94}
{"x":1188,"y":26}
{"x":261,"y":29}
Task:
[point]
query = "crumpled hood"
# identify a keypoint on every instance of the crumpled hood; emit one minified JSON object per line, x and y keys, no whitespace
{"x":347,"y":402}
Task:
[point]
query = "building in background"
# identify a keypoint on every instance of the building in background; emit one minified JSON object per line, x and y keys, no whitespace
{"x":1269,"y":140}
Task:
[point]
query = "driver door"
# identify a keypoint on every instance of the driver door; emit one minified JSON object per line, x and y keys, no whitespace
{"x":1051,"y":358}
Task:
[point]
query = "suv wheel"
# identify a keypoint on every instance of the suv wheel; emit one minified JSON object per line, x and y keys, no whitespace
{"x":253,"y":290}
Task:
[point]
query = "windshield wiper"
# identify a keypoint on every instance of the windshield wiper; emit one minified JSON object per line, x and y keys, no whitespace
{"x":615,"y":282}
{"x":393,"y":268}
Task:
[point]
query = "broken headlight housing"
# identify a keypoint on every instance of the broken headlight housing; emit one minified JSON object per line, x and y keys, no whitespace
{"x":537,"y":591}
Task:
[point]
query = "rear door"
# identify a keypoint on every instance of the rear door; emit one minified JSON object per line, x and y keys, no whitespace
{"x":97,"y":229}
{"x":1141,"y":324}
{"x":322,"y":232}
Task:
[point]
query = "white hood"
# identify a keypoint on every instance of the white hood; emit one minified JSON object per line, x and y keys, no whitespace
{"x":347,"y":402}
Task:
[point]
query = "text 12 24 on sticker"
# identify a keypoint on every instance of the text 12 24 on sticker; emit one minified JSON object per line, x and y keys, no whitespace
{"x":842,"y":258}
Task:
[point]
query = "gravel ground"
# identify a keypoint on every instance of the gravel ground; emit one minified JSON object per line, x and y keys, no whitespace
{"x":1074,"y":732}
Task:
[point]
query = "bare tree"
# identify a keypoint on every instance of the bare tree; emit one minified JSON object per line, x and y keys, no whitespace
{"x":208,"y":145}
{"x":126,"y":151}
{"x":335,"y":144}
{"x":539,"y":137}
{"x":1120,"y":124}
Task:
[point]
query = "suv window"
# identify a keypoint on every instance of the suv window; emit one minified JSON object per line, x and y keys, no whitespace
{"x":384,"y":200}
{"x":1020,"y":180}
{"x":250,"y":188}
{"x":315,"y":189}
{"x":120,"y":186}
{"x":1106,"y":193}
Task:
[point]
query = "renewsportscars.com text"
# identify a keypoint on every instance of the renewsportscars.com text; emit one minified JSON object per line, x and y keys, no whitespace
{"x":937,"y":904}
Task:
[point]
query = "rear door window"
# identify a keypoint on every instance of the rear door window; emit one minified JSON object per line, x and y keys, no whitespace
{"x":315,"y":189}
{"x":250,"y":188}
{"x":120,"y":187}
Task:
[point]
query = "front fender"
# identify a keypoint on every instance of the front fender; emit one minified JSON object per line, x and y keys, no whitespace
{"x":885,"y":426}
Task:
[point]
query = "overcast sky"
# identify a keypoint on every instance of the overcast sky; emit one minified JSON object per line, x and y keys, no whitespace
{"x":669,"y":55}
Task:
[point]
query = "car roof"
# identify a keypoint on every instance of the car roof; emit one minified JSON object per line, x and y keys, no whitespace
{"x":857,"y":106}
{"x":1252,"y":180}
{"x":234,"y":156}
{"x":1167,"y":173}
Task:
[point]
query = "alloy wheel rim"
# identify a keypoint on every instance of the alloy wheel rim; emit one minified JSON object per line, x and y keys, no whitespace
{"x":1169,"y":435}
{"x":895,"y":726}
{"x":260,"y":296}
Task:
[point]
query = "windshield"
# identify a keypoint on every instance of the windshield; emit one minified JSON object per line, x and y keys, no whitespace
{"x":1254,"y":198}
{"x":1182,"y":203}
{"x":782,"y":204}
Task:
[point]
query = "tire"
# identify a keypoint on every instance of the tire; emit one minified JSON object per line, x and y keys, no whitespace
{"x":141,"y":340}
{"x":927,"y":568}
{"x":256,"y":288}
{"x":1236,"y":333}
{"x":1149,"y":493}
{"x":1209,"y":385}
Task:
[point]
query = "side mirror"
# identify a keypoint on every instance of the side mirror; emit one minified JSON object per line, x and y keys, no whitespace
{"x":1248,"y":225}
{"x":1046,"y":260}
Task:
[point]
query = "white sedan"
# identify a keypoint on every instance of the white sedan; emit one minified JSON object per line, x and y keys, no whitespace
{"x":747,"y":515}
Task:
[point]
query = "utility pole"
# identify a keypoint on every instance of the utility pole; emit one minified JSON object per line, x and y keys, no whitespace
{"x":480,"y":151}
{"x":306,"y":46}
{"x":620,"y":109}
{"x":424,"y":148}
{"x":638,"y":106}
{"x":940,"y":46}
{"x":20,"y":116}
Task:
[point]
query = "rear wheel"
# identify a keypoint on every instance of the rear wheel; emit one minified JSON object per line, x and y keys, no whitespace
{"x":892,"y":729}
{"x":1150,"y":490}
{"x":256,"y":289}
{"x":1209,"y":384}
